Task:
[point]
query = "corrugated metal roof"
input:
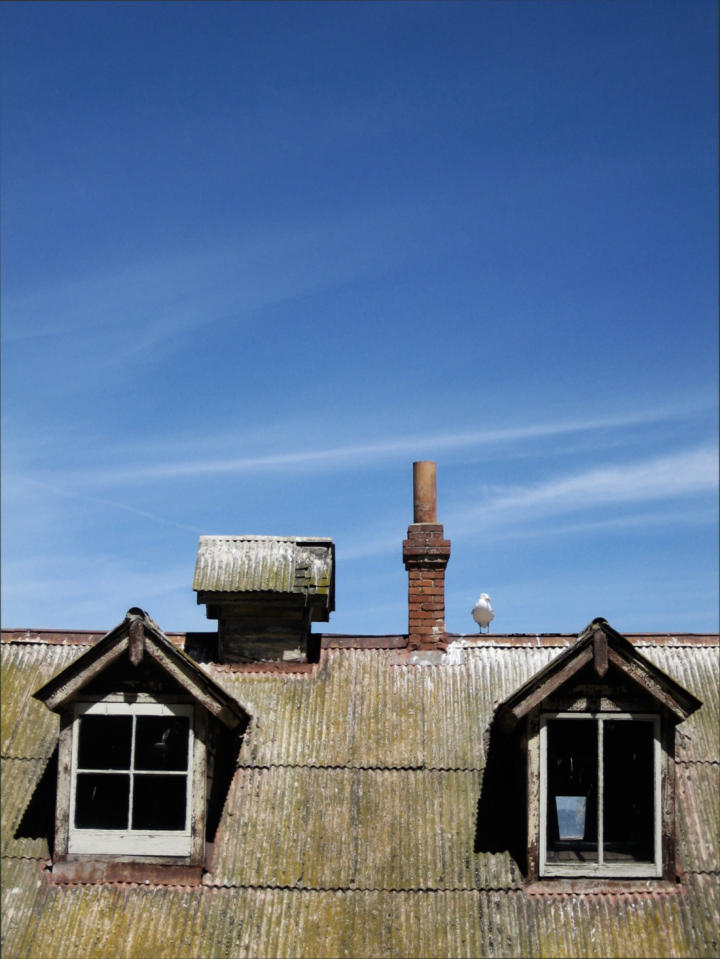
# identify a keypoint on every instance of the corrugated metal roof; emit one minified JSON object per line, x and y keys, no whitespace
{"x":356,"y":829}
{"x":698,"y":816}
{"x":27,"y":728}
{"x":698,"y":738}
{"x":254,"y":564}
{"x":358,"y":711}
{"x":349,"y":826}
{"x":136,"y":922}
{"x":17,"y":785}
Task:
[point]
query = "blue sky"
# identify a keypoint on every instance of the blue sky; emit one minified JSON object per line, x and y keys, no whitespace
{"x":259,"y":257}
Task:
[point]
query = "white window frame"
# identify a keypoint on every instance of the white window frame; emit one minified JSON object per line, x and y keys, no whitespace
{"x":601,"y":868}
{"x":134,"y":842}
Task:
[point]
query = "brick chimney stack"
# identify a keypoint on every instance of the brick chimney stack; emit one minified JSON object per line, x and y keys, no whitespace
{"x":425,"y":555}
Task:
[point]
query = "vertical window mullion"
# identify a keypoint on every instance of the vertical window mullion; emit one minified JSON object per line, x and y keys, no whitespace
{"x":188,"y":774}
{"x":657,"y":795}
{"x":543,"y":793}
{"x":132,"y":773}
{"x":601,"y":792}
{"x":74,"y":765}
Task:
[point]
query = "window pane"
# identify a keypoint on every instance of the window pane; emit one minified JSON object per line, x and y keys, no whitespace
{"x":159,"y":802}
{"x":572,"y":791}
{"x":628,"y":814}
{"x":101,"y":801}
{"x":104,"y":742}
{"x":161,"y":742}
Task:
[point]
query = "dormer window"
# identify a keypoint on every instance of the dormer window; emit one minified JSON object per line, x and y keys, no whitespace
{"x":598,"y":729}
{"x":600,"y":788}
{"x":131,"y":784}
{"x":143,"y":731}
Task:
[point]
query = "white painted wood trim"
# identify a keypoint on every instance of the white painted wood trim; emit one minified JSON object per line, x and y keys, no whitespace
{"x":607,"y":870}
{"x":129,"y":841}
{"x":600,"y":827}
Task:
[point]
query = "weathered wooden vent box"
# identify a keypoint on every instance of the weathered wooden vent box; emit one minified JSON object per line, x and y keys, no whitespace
{"x":265,"y":592}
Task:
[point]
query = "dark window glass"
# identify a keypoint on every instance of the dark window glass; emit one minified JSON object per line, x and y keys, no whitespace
{"x":102,"y":800}
{"x":161,"y":742}
{"x":104,"y":742}
{"x":628,"y":806}
{"x":159,"y":802}
{"x":572,"y":790}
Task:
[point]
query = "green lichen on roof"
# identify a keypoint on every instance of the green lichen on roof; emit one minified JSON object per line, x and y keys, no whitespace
{"x":350,"y":823}
{"x":255,"y":564}
{"x":136,"y":922}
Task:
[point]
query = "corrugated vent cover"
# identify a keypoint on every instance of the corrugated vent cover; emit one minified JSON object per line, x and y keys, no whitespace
{"x":252,"y":564}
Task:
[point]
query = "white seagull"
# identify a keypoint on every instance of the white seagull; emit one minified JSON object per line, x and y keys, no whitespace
{"x":482,"y":612}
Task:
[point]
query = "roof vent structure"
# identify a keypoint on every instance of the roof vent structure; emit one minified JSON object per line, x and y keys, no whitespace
{"x":265,"y":591}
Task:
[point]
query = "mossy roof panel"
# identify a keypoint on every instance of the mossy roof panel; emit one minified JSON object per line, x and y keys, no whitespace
{"x":133,"y":922}
{"x":252,"y":564}
{"x":349,"y":828}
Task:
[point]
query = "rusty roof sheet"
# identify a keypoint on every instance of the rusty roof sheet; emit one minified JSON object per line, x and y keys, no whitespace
{"x":241,"y":564}
{"x":349,"y":825}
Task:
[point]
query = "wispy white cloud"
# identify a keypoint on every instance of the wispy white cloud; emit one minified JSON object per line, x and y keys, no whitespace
{"x":524,"y":511}
{"x":144,"y":308}
{"x":678,"y":474}
{"x":113,"y":504}
{"x":94,"y":591}
{"x":346,"y":456}
{"x":641,"y":520}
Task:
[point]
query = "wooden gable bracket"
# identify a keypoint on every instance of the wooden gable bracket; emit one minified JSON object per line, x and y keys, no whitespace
{"x":600,"y":652}
{"x":601,"y":645}
{"x":136,"y":640}
{"x":138,"y":635}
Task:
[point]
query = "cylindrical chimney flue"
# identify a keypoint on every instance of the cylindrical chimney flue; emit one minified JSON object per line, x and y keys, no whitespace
{"x":424,"y":492}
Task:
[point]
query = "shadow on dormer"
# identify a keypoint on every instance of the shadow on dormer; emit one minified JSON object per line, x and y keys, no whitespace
{"x":500,"y":820}
{"x":38,"y":820}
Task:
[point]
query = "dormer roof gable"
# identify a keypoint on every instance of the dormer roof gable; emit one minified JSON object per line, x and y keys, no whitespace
{"x":135,"y":637}
{"x":602,"y":646}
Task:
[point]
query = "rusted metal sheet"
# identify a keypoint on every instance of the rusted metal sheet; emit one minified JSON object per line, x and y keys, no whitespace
{"x":263,"y":563}
{"x":102,"y":871}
